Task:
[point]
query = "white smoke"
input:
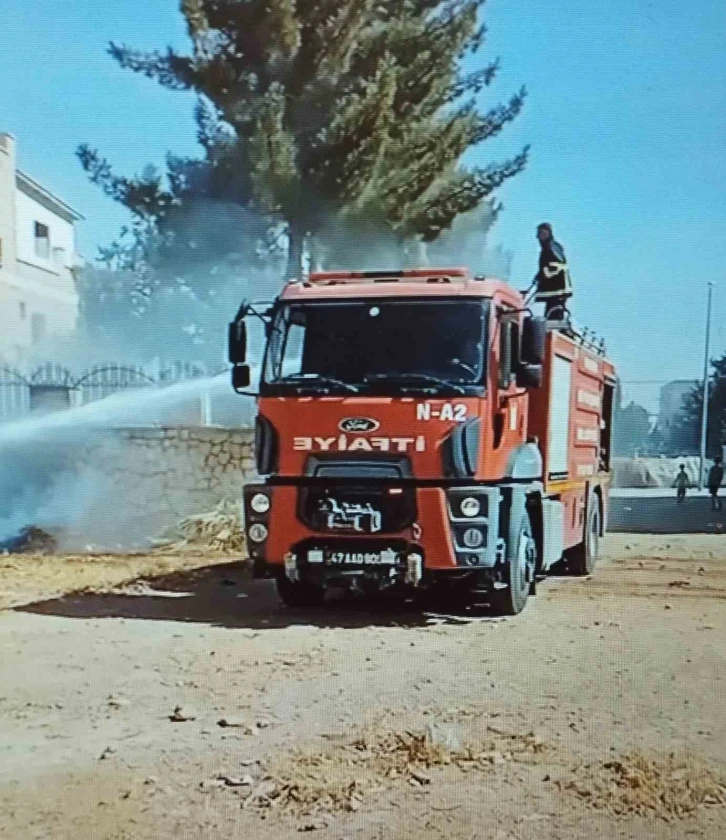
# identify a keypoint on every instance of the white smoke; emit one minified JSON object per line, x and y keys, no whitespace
{"x":57,"y":502}
{"x":362,"y":246}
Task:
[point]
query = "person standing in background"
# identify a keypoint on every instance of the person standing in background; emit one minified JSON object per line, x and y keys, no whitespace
{"x":682,"y":483}
{"x":715,"y":478}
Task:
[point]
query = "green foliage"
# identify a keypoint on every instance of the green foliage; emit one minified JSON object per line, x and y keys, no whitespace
{"x":317,"y":110}
{"x":332,"y":127}
{"x":686,"y":433}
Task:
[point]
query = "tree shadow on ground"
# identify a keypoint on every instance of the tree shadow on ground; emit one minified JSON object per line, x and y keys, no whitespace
{"x":226,"y":596}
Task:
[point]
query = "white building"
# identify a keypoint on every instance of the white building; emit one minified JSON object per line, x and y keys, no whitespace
{"x":38,"y":297}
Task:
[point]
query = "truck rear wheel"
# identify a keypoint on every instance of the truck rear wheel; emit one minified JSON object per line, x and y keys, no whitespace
{"x":583,"y":557}
{"x":521,"y":570}
{"x":299,"y":594}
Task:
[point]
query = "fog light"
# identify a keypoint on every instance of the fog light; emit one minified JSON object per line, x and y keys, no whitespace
{"x":470,"y":507}
{"x":260,"y":503}
{"x":257,"y":532}
{"x":473,"y":538}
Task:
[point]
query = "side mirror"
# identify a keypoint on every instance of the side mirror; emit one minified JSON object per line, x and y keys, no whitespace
{"x":237,"y":342}
{"x":534,"y":336}
{"x":241,"y":377}
{"x":529,"y":376}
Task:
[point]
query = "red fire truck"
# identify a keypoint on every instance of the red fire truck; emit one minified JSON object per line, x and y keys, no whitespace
{"x":422,"y":430}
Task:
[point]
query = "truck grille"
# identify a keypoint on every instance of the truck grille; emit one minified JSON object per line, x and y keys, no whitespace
{"x":357,"y":510}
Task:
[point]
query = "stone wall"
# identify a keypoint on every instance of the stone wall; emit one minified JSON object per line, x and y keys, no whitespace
{"x":159,"y":475}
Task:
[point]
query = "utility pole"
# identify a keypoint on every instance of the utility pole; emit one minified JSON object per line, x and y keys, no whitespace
{"x":704,"y":410}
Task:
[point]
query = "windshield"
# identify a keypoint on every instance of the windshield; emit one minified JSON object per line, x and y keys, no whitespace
{"x":428,"y":346}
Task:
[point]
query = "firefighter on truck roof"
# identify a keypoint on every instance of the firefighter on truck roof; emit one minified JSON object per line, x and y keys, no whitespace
{"x":553,"y":282}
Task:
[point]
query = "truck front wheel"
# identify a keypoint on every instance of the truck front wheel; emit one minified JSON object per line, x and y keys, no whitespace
{"x":521,"y":570}
{"x":583,"y":558}
{"x":299,"y":594}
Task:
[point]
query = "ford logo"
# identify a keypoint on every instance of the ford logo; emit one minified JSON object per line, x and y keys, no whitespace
{"x":359,"y":425}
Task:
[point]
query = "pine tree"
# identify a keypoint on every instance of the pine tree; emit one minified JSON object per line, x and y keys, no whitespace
{"x":417,"y":179}
{"x":330,"y":114}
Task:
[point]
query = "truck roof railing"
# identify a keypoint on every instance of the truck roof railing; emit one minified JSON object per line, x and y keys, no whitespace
{"x":582,"y":335}
{"x":412,"y":275}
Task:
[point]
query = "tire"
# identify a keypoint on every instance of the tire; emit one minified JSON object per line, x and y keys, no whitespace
{"x":521,"y":571}
{"x":299,"y":595}
{"x":584,"y":557}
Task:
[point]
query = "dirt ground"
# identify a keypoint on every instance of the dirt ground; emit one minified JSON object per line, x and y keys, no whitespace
{"x":154,"y":697}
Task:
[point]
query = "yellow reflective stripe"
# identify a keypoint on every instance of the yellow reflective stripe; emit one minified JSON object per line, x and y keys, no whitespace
{"x":564,"y":485}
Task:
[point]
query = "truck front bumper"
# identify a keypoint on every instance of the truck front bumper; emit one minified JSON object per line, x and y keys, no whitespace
{"x":439,"y":538}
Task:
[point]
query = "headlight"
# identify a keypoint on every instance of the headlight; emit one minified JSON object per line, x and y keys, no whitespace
{"x":470,"y":507}
{"x":260,"y":503}
{"x":257,"y":532}
{"x":473,"y":538}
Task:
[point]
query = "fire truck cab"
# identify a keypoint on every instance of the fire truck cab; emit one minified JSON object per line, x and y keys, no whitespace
{"x":422,"y":430}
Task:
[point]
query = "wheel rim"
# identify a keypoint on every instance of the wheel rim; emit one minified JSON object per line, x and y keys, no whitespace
{"x":594,"y":546}
{"x":526,"y":561}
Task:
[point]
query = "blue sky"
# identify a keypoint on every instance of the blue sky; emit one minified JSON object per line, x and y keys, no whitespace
{"x":626,"y":117}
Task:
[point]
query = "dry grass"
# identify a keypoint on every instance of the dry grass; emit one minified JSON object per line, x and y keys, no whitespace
{"x":28,"y":578}
{"x":669,"y":788}
{"x":216,"y":530}
{"x":39,"y":573}
{"x":340,"y":779}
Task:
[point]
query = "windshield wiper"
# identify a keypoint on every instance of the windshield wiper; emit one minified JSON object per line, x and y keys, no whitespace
{"x":317,"y":379}
{"x":414,"y":377}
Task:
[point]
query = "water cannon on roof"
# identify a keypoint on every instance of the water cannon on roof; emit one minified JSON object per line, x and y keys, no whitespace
{"x":584,"y":336}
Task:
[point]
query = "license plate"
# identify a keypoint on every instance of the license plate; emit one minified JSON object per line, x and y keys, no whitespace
{"x":385,"y":557}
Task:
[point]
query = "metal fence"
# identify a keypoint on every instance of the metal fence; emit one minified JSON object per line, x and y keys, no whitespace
{"x":51,"y":386}
{"x":103,"y":380}
{"x":14,"y":394}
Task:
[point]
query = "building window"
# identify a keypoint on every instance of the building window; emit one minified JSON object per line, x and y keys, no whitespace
{"x":42,"y":241}
{"x":37,"y":327}
{"x":21,"y":307}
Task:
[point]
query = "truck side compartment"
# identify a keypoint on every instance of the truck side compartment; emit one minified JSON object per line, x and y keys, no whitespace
{"x":571,"y":417}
